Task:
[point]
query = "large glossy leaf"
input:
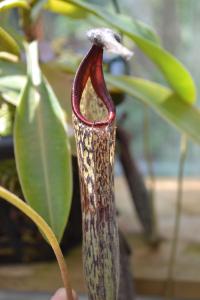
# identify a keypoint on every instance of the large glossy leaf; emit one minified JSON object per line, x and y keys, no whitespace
{"x":70,"y":10}
{"x":42,"y":153}
{"x":8,"y":43}
{"x":8,"y":4}
{"x":185,"y":117}
{"x":174,"y":72}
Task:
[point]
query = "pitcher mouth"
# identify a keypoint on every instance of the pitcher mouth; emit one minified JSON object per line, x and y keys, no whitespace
{"x":91,"y":68}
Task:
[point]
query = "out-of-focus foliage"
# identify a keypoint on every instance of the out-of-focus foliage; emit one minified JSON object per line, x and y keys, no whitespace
{"x":164,"y":101}
{"x":177,"y":23}
{"x":64,"y":8}
{"x":8,"y":4}
{"x":8,"y":44}
{"x":6,"y":118}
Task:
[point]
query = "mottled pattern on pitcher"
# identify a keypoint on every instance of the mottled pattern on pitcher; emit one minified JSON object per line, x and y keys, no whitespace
{"x":95,"y":150}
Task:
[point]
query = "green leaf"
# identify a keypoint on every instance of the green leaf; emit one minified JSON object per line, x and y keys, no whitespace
{"x":185,"y":117}
{"x":9,"y":69}
{"x":70,"y":10}
{"x":42,"y":152}
{"x":11,"y":86}
{"x":8,"y":44}
{"x":11,"y":83}
{"x":8,"y":4}
{"x":174,"y":72}
{"x":15,"y":82}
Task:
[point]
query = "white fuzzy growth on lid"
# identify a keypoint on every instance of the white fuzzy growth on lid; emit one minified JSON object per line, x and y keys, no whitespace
{"x":110,"y":40}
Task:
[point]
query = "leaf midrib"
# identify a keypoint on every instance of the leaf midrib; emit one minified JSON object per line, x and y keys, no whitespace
{"x":42,"y":146}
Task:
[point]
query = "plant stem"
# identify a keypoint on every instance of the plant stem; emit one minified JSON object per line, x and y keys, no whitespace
{"x":172,"y":260}
{"x":46,"y":230}
{"x":118,"y":11}
{"x":150,"y":171}
{"x":27,"y":26}
{"x":116,"y":6}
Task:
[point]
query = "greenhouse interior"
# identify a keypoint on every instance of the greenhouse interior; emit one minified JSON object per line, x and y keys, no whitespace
{"x":99,"y":150}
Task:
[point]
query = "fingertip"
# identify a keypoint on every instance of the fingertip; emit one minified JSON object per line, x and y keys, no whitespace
{"x":61,"y":295}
